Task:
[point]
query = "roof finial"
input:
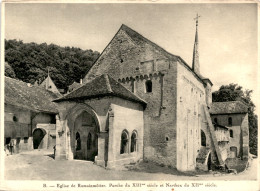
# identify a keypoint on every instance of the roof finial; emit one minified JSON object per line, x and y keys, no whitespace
{"x":197,"y":19}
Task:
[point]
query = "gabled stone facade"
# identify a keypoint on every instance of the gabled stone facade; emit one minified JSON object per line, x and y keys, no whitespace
{"x":144,"y":104}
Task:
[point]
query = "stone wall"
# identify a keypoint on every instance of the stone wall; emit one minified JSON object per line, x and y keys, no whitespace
{"x":190,"y":118}
{"x":133,"y":65}
{"x":112,"y":115}
{"x":239,"y":122}
{"x":19,"y":124}
{"x":129,"y":120}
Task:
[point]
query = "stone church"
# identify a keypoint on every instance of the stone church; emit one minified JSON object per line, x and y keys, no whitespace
{"x":140,"y":102}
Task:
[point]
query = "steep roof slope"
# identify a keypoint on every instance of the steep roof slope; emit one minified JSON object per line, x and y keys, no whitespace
{"x":48,"y":84}
{"x":34,"y":98}
{"x":74,"y":86}
{"x":140,"y":40}
{"x":101,"y":86}
{"x":228,"y":107}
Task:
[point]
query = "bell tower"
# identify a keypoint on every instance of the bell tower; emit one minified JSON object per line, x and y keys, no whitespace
{"x":195,"y":59}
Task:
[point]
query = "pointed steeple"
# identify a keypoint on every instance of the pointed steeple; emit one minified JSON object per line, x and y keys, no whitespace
{"x":195,"y":59}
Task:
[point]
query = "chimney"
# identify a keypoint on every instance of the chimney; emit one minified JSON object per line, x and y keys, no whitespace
{"x":81,"y":81}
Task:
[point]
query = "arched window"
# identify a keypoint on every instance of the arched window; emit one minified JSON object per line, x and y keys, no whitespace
{"x":134,"y":142}
{"x":148,"y":86}
{"x":216,"y":120}
{"x":78,"y":142}
{"x":124,"y":142}
{"x":230,"y":121}
{"x":231,"y":133}
{"x":89,"y":141}
{"x":203,"y":138}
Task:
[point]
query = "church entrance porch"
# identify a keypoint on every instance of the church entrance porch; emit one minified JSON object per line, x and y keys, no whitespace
{"x":85,"y":136}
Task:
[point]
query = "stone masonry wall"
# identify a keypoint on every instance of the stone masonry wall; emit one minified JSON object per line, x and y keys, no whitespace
{"x":190,"y":118}
{"x":237,"y":140}
{"x":133,"y":65}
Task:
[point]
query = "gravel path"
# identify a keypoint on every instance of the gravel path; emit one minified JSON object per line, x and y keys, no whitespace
{"x":38,"y":165}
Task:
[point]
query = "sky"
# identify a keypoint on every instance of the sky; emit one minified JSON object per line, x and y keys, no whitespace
{"x":227,"y":32}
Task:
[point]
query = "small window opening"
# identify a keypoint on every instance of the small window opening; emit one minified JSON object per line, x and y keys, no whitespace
{"x":231,"y":133}
{"x":134,"y":142}
{"x":166,"y":138}
{"x":15,"y":119}
{"x":149,"y":86}
{"x":203,"y":138}
{"x":25,"y":139}
{"x":124,"y":143}
{"x":230,"y":121}
{"x":121,"y":60}
{"x":7,"y":140}
{"x":78,"y":142}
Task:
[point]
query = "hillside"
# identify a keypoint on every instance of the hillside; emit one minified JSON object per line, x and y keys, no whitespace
{"x":30,"y":62}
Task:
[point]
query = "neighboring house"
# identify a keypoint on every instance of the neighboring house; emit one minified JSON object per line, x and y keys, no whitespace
{"x":26,"y":107}
{"x":49,"y":85}
{"x":234,"y":115}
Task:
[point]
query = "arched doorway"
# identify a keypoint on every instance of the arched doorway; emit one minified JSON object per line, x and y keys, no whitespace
{"x":85,"y":137}
{"x":38,"y":138}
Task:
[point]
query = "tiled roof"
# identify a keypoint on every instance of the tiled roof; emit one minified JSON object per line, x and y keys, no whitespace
{"x":101,"y":86}
{"x":74,"y":86}
{"x":228,"y":107}
{"x":30,"y":97}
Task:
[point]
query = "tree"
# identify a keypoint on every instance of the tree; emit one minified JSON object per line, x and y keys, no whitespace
{"x":9,"y":72}
{"x":234,"y":92}
{"x":30,"y":62}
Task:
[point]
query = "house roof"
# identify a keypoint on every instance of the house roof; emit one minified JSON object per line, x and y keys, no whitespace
{"x":228,"y":107}
{"x":48,"y":84}
{"x":101,"y":86}
{"x":30,"y":97}
{"x":74,"y":86}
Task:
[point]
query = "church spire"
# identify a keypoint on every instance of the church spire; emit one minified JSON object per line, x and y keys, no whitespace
{"x":195,"y":59}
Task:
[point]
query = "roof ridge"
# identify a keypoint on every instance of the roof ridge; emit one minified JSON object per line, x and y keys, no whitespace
{"x":147,"y":40}
{"x":161,"y":49}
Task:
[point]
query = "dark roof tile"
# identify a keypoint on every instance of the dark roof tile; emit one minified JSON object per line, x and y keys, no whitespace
{"x":228,"y":107}
{"x":30,"y":97}
{"x":101,"y":86}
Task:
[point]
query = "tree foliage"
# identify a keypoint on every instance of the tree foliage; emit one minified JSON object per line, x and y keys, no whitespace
{"x":9,"y":72}
{"x":234,"y":92}
{"x":30,"y":62}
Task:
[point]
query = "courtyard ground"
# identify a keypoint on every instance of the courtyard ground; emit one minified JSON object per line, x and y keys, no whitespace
{"x":40,"y":165}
